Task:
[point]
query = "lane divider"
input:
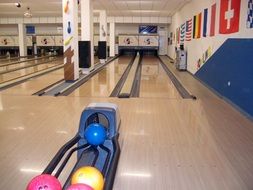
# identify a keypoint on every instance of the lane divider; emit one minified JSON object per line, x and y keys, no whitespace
{"x":19,"y":80}
{"x":27,"y":60}
{"x":180,"y":88}
{"x":127,"y":87}
{"x":119,"y":85}
{"x":25,"y":67}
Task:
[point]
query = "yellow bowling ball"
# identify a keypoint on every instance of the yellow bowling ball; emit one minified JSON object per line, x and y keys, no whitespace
{"x":90,"y":176}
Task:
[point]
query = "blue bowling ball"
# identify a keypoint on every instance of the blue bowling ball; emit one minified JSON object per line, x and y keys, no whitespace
{"x":95,"y":134}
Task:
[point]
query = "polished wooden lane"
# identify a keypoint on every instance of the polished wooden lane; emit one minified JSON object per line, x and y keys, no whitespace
{"x":35,"y":84}
{"x":22,"y":72}
{"x":11,"y":59}
{"x":189,"y":82}
{"x":154,"y":80}
{"x":166,"y":143}
{"x":23,"y":64}
{"x":96,"y":60}
{"x":103,"y":83}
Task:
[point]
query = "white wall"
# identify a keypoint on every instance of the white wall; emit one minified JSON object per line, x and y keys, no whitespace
{"x":51,"y":29}
{"x":126,"y":29}
{"x":58,"y":20}
{"x":42,"y":29}
{"x":45,"y":29}
{"x":9,"y":29}
{"x":196,"y":47}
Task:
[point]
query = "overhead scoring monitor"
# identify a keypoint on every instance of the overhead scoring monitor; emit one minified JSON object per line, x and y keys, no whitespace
{"x":147,"y":29}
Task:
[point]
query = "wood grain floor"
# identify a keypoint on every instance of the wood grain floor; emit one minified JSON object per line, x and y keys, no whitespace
{"x":34,"y":85}
{"x":12,"y":75}
{"x":167,"y":143}
{"x":103,"y":83}
{"x":22,"y":64}
{"x":155,"y":83}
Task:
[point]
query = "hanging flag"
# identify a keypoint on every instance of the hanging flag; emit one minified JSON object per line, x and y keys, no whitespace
{"x":194,"y":24}
{"x":197,"y":26}
{"x":182,"y":33}
{"x":178,"y":35}
{"x":250,"y":14}
{"x":213,"y":18}
{"x":229,"y":16}
{"x":188,"y":30}
{"x":205,"y":22}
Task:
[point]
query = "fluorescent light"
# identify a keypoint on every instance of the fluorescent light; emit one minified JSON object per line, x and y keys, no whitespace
{"x":144,"y":11}
{"x":30,"y":170}
{"x":133,"y":174}
{"x":16,"y":128}
{"x":62,"y":132}
{"x":28,"y":13}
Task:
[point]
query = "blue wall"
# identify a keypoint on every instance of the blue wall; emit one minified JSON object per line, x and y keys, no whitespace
{"x":232,"y":62}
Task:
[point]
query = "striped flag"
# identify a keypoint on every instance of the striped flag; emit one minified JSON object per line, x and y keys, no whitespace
{"x":250,"y":14}
{"x":205,"y":19}
{"x":194,"y":25}
{"x":188,"y":30}
{"x":197,"y":19}
{"x":182,"y":33}
{"x":199,"y":25}
{"x":178,"y":35}
{"x":213,"y":18}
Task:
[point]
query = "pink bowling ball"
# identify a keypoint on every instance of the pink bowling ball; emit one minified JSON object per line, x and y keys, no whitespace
{"x":44,"y":182}
{"x":79,"y":186}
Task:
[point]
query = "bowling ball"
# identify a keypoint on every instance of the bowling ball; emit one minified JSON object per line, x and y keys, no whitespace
{"x":79,"y":186}
{"x":90,"y":176}
{"x":95,"y":134}
{"x":44,"y":182}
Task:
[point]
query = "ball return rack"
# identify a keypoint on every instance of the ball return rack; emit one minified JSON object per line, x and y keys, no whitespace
{"x":104,"y":157}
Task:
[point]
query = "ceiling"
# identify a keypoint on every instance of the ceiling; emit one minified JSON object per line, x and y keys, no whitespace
{"x":156,"y":8}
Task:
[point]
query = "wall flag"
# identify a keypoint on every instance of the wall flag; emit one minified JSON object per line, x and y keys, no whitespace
{"x":250,"y":14}
{"x":229,"y":16}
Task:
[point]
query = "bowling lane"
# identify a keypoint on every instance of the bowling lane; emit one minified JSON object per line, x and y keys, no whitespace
{"x":209,"y":148}
{"x":6,"y":60}
{"x":23,"y":64}
{"x":27,"y":71}
{"x":96,"y":60}
{"x":155,"y":83}
{"x":102,"y":84}
{"x":34,"y":85}
{"x":13,"y":59}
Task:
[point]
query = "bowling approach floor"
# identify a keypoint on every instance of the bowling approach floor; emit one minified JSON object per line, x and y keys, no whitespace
{"x":166,"y":142}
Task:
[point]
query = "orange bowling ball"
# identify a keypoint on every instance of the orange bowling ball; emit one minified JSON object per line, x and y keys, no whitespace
{"x":90,"y":176}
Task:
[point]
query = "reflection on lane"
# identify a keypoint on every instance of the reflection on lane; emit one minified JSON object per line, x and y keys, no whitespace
{"x":31,"y":86}
{"x":30,"y":70}
{"x":23,"y":64}
{"x":154,"y":81}
{"x":102,"y":84}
